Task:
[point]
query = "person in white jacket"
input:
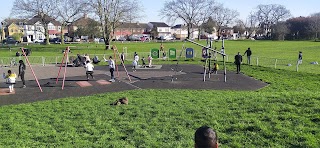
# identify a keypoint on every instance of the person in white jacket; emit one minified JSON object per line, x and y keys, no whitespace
{"x":11,"y":80}
{"x":111,"y":67}
{"x":89,"y":69}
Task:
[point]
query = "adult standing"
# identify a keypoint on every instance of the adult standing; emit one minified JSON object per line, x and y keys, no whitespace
{"x":111,"y":67}
{"x":300,"y":57}
{"x":249,"y":53}
{"x":22,"y":68}
{"x":237,"y":61}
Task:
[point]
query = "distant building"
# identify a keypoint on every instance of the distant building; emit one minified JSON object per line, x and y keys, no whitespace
{"x":34,"y":30}
{"x":81,"y":22}
{"x":159,"y":29}
{"x":180,"y":31}
{"x":11,"y":27}
{"x":127,"y":29}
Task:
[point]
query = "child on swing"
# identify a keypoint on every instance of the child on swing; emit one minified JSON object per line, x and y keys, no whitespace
{"x":11,"y":80}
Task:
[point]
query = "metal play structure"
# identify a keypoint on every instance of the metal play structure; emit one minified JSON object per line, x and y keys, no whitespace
{"x":209,"y":57}
{"x":26,"y":57}
{"x":64,"y":61}
{"x":116,"y":56}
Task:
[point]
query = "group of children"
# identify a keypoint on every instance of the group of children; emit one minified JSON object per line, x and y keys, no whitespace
{"x":136,"y":61}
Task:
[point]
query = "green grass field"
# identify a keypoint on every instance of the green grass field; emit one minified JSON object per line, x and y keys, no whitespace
{"x":284,"y":114}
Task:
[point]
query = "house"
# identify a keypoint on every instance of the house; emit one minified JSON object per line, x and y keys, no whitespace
{"x":84,"y":21}
{"x":159,"y":29}
{"x":11,"y":27}
{"x":226,"y":32}
{"x":180,"y":31}
{"x":34,"y":30}
{"x":127,"y":29}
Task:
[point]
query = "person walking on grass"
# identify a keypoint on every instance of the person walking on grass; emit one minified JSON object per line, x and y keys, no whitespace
{"x":205,"y":137}
{"x":111,"y":67}
{"x":237,"y":61}
{"x":89,"y":69}
{"x":22,"y":68}
{"x":10,"y":79}
{"x":249,"y":53}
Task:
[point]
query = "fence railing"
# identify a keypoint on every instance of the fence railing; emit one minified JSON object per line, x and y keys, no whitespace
{"x":258,"y":61}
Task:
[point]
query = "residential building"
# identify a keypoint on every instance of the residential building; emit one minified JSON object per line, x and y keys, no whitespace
{"x":180,"y":31}
{"x":127,"y":29}
{"x":34,"y":30}
{"x":159,"y":29}
{"x":11,"y":27}
{"x":84,"y":21}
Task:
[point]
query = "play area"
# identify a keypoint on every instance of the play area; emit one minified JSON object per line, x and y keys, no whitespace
{"x":76,"y":84}
{"x":62,"y":80}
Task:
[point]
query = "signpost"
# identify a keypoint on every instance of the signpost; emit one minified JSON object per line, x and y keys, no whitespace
{"x":155,"y":53}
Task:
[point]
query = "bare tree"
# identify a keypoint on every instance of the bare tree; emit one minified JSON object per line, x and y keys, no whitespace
{"x":267,"y":15}
{"x":251,"y":24}
{"x":189,"y":11}
{"x":314,"y":25}
{"x":68,"y":11}
{"x":272,"y":13}
{"x":43,"y":10}
{"x":111,"y":13}
{"x":224,"y":17}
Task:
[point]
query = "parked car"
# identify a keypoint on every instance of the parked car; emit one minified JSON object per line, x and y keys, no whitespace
{"x":10,"y":40}
{"x":38,"y":41}
{"x":122,"y":39}
{"x":134,"y":38}
{"x":77,"y":40}
{"x":166,"y":38}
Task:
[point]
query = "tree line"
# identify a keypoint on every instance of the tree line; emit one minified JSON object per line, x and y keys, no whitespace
{"x":272,"y":21}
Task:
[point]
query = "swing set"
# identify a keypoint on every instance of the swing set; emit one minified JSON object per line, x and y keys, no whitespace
{"x":209,"y":57}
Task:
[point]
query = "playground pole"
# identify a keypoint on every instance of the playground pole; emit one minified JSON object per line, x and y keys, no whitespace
{"x":223,"y":55}
{"x":64,"y":55}
{"x":122,"y":64}
{"x":65,"y":70}
{"x":31,"y":69}
{"x":115,"y":58}
{"x":225,"y":69}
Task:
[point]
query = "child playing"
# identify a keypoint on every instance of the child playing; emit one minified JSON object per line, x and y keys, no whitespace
{"x":150,"y":61}
{"x":89,"y":69}
{"x":215,"y":68}
{"x":143,"y":62}
{"x":11,"y":80}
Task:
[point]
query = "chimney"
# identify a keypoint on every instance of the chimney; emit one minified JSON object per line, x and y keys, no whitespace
{"x":85,"y":15}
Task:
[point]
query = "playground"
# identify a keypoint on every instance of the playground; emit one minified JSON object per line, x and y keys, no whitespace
{"x":191,"y":77}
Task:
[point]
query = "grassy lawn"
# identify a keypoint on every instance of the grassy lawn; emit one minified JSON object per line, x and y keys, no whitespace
{"x":284,"y":114}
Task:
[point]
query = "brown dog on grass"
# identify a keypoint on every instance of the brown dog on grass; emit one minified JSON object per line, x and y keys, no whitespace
{"x":120,"y":101}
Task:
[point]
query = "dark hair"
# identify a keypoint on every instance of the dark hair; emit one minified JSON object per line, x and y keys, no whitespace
{"x":110,"y":57}
{"x":21,"y":61}
{"x":205,"y":137}
{"x":9,"y":71}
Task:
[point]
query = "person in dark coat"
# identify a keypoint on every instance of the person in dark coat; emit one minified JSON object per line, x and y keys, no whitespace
{"x":249,"y":53}
{"x":237,"y":61}
{"x":22,"y":68}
